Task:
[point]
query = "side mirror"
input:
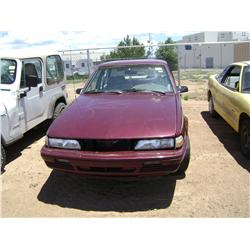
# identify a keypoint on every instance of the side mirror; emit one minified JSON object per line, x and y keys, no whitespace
{"x":182,"y":89}
{"x":31,"y":81}
{"x":78,"y":91}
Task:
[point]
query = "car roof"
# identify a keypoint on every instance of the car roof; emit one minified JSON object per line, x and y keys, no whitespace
{"x":242,"y":63}
{"x":21,"y":54}
{"x":133,"y":62}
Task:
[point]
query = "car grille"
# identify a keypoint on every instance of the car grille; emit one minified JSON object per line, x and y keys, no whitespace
{"x":107,"y":145}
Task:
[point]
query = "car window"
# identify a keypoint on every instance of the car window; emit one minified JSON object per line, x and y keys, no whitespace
{"x":232,"y":78}
{"x":246,"y":80}
{"x":54,"y":66}
{"x":8,"y":71}
{"x":32,"y":66}
{"x":125,"y":78}
{"x":222,"y":74}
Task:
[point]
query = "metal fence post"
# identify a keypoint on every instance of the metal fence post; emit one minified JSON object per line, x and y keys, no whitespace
{"x":88,"y":61}
{"x":178,"y":65}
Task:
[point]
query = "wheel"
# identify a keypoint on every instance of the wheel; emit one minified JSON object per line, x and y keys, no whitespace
{"x":184,"y":165}
{"x":211,"y":109}
{"x":245,"y":137}
{"x":58,"y":110}
{"x":3,"y":157}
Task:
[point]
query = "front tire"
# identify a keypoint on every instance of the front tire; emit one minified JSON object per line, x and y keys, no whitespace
{"x":185,"y":163}
{"x":245,"y":137}
{"x":211,"y":109}
{"x":3,"y":157}
{"x":58,"y":110}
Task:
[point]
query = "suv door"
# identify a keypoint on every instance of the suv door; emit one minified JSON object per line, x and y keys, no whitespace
{"x":32,"y":81}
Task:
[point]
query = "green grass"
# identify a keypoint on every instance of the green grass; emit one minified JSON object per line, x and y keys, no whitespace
{"x":196,"y":75}
{"x":185,"y":97}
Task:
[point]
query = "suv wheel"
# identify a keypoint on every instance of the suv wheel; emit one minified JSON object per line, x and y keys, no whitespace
{"x":184,"y":165}
{"x":58,"y":110}
{"x":211,"y":109}
{"x":3,"y":157}
{"x":245,"y":137}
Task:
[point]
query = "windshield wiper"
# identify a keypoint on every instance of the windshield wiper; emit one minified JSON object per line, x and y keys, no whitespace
{"x":145,"y":91}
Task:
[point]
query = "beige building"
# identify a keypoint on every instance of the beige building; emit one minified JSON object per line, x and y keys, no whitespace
{"x":242,"y":52}
{"x":213,"y":54}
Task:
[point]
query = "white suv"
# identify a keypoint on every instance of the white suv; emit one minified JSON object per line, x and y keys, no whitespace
{"x":32,"y":90}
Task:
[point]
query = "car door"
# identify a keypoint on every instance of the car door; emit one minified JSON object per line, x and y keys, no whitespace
{"x":31,"y":104}
{"x":230,"y":95}
{"x":217,"y":92}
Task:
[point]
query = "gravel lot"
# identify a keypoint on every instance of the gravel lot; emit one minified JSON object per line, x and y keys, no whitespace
{"x":216,"y":183}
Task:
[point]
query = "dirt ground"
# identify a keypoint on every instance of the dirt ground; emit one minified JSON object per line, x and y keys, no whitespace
{"x":216,"y":183}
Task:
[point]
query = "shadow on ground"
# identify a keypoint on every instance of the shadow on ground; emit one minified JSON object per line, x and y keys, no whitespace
{"x":93,"y":194}
{"x":228,"y":137}
{"x":15,"y":150}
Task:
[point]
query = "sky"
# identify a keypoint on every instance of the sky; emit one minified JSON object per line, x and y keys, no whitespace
{"x":68,"y":40}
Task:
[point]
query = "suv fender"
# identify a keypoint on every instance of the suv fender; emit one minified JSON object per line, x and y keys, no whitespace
{"x":54,"y":101}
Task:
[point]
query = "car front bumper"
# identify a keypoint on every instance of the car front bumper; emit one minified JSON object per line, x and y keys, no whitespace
{"x":122,"y":163}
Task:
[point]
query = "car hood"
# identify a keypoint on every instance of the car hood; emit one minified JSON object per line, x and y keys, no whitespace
{"x":120,"y":116}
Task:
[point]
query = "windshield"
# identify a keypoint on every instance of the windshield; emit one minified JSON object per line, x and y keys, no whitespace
{"x":130,"y":78}
{"x":8,"y":71}
{"x":246,"y":80}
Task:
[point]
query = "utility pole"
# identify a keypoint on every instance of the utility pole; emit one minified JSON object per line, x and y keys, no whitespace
{"x":150,"y":45}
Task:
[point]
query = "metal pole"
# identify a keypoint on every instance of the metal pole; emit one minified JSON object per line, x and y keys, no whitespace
{"x":179,"y":71}
{"x":200,"y":56}
{"x":88,"y":61}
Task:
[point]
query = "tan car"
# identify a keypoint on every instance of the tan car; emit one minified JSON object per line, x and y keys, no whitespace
{"x":229,"y":96}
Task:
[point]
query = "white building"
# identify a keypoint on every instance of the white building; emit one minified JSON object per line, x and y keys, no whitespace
{"x":84,"y":66}
{"x":233,"y":36}
{"x":68,"y":67}
{"x":209,"y":55}
{"x":74,"y":65}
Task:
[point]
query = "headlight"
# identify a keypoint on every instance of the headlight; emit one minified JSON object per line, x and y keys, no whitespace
{"x":62,"y":143}
{"x":155,"y":144}
{"x":179,"y":141}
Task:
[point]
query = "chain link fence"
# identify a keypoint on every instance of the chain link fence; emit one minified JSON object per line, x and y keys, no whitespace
{"x":194,"y":61}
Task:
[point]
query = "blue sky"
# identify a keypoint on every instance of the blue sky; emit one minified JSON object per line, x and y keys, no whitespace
{"x":64,"y":40}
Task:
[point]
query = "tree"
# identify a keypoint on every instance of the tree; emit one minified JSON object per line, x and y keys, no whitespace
{"x":120,"y":53}
{"x":168,"y":53}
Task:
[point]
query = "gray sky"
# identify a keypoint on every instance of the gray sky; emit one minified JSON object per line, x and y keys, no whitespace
{"x":64,"y":40}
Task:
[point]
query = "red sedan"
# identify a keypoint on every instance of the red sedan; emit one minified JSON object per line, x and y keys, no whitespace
{"x":127,"y":121}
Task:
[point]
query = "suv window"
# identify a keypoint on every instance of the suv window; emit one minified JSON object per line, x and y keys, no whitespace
{"x":232,"y":78}
{"x":54,"y":66}
{"x":31,"y":67}
{"x":8,"y":71}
